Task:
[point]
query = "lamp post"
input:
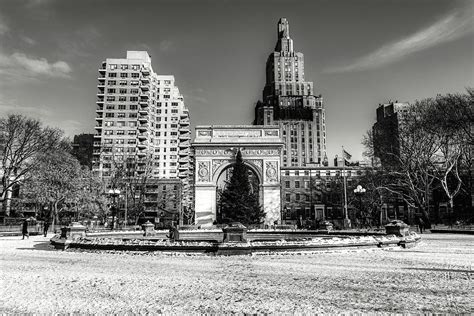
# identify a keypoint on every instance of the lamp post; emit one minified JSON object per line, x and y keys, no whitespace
{"x":359,"y":191}
{"x":113,"y":193}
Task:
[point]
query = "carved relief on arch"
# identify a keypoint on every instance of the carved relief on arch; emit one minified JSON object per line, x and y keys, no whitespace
{"x":257,"y":163}
{"x":217,"y":163}
{"x":203,"y":171}
{"x":271,"y":171}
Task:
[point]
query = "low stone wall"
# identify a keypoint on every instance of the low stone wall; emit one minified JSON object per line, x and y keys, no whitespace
{"x":235,"y":248}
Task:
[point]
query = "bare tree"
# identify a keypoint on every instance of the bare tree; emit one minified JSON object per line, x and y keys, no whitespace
{"x":449,"y":118}
{"x":22,"y":140}
{"x":56,"y":180}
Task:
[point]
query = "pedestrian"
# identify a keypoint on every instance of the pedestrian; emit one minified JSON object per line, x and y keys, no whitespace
{"x":421,"y":224}
{"x":45,"y":229}
{"x":24,"y":229}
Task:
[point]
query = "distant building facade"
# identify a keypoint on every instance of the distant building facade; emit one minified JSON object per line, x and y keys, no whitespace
{"x":83,"y":149}
{"x":141,"y":122}
{"x":289,"y":102}
{"x":309,"y":194}
{"x":386,"y":132}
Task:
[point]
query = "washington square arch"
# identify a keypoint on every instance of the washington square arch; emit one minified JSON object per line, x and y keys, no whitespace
{"x":215,"y":148}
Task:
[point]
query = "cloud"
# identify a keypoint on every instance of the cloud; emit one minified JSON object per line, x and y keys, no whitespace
{"x":448,"y":28}
{"x":167,"y":46}
{"x":21,"y":66}
{"x":28,"y":40}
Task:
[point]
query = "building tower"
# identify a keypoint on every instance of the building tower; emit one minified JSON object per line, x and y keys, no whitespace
{"x":385,"y":132}
{"x":142,"y":121}
{"x":289,"y":102}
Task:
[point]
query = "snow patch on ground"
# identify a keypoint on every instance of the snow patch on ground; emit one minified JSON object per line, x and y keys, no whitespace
{"x":434,"y":277}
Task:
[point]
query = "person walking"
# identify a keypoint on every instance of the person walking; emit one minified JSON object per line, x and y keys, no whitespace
{"x":24,"y":229}
{"x":45,"y":229}
{"x":421,"y":224}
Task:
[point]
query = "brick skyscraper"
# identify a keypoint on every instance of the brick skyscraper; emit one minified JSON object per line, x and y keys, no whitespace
{"x":289,"y":102}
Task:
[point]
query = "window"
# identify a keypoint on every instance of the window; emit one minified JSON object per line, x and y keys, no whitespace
{"x":133,"y":99}
{"x":167,"y":81}
{"x":132,"y":115}
{"x":123,"y":82}
{"x":297,"y":173}
{"x":288,"y":197}
{"x":135,"y":75}
{"x":111,"y":82}
{"x":113,"y":67}
{"x":297,"y":184}
{"x":121,"y":132}
{"x":123,"y":75}
{"x":123,"y":91}
{"x":132,"y":132}
{"x":134,"y":83}
{"x":109,"y":114}
{"x":124,"y":67}
{"x":121,"y":115}
{"x":110,"y":98}
{"x":122,"y":98}
{"x":133,"y":106}
{"x":135,"y":67}
{"x":174,"y":111}
{"x":132,"y":124}
{"x":134,"y":91}
{"x":110,"y":107}
{"x":112,"y":74}
{"x":287,"y":184}
{"x":297,"y":197}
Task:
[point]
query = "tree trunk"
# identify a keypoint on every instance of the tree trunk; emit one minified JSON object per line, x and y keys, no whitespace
{"x":8,"y":201}
{"x":55,"y":214}
{"x":426,"y":216}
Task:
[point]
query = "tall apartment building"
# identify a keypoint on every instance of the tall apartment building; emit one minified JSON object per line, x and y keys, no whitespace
{"x":289,"y":102}
{"x":385,"y":132}
{"x":142,"y":121}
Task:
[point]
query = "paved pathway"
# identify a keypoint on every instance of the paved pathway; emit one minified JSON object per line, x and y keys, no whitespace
{"x":437,"y":276}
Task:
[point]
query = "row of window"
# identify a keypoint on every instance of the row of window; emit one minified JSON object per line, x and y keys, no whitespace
{"x":124,"y":75}
{"x":319,"y":173}
{"x":111,"y":98}
{"x":124,"y":67}
{"x":123,"y":82}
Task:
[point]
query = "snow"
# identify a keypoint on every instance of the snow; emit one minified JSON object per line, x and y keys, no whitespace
{"x":434,"y":277}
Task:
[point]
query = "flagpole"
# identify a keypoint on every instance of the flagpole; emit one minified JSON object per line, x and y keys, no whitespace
{"x":347,"y":223}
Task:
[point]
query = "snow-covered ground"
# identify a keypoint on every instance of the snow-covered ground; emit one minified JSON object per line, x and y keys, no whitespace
{"x":436,"y":276}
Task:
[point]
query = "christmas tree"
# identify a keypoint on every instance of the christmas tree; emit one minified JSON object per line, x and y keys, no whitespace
{"x":238,"y":202}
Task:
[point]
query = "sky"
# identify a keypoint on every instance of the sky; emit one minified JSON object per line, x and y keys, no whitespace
{"x":358,"y":53}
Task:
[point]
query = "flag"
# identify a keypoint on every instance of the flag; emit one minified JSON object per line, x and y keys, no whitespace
{"x":346,"y":155}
